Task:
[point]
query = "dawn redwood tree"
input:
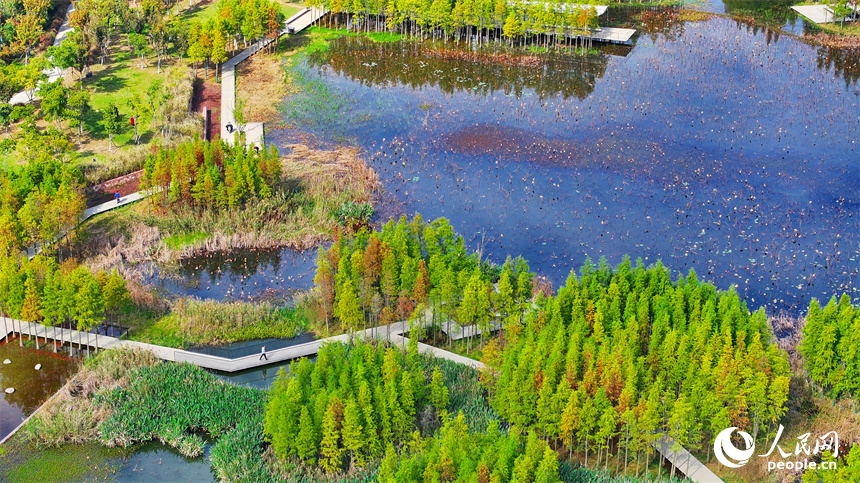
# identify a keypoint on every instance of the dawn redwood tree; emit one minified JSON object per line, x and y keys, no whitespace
{"x":31,"y":309}
{"x":331,"y":446}
{"x":115,"y":295}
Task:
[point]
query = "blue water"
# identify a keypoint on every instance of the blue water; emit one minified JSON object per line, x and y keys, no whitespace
{"x":713,"y":146}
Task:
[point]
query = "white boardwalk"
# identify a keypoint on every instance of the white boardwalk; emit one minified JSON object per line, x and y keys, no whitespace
{"x":613,"y":35}
{"x":685,"y":462}
{"x":206,"y":361}
{"x":254,"y":131}
{"x":36,"y":249}
{"x":680,"y":457}
{"x":819,"y":13}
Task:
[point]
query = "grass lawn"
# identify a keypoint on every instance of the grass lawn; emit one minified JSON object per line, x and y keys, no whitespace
{"x":331,"y":34}
{"x":164,"y":332}
{"x":118,"y":82}
{"x":203,"y":11}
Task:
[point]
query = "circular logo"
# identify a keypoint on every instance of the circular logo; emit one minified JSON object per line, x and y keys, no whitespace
{"x":725,"y":451}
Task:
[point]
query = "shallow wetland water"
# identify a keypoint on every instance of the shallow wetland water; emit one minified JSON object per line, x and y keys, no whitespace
{"x":713,"y":146}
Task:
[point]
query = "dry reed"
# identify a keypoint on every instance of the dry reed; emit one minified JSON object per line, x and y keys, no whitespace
{"x":73,"y":416}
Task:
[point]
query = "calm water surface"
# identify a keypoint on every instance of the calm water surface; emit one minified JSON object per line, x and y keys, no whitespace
{"x":154,"y":462}
{"x":710,"y":146}
{"x":32,"y":387}
{"x":241,"y":274}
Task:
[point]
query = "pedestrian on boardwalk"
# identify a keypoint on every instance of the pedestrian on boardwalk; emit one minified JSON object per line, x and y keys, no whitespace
{"x":116,"y":194}
{"x":263,"y":353}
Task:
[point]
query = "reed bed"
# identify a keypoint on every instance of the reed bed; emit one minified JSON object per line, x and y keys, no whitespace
{"x":199,"y":404}
{"x":213,"y":322}
{"x":73,"y":415}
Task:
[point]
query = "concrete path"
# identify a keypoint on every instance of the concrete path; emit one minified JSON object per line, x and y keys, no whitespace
{"x":53,"y":73}
{"x":684,"y":461}
{"x":37,"y":248}
{"x":613,"y":35}
{"x":254,"y":131}
{"x":821,"y":13}
{"x":391,"y":332}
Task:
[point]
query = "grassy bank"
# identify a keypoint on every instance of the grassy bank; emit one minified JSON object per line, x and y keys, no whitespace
{"x":193,"y":321}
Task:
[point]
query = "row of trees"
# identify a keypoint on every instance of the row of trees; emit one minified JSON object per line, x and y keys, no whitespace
{"x":476,"y":20}
{"x":151,"y":29}
{"x":831,"y":347}
{"x":42,"y":291}
{"x":621,"y":355}
{"x":457,"y":454}
{"x":351,"y":404}
{"x":383,"y":277}
{"x":208,"y":175}
{"x":39,"y":202}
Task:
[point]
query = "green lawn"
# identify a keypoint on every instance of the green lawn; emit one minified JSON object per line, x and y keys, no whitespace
{"x":203,"y":12}
{"x":117,"y":82}
{"x":164,"y":332}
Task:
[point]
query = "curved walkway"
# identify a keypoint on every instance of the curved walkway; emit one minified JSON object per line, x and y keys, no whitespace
{"x":390,"y":332}
{"x":37,"y":248}
{"x":677,"y":455}
{"x":254,"y":131}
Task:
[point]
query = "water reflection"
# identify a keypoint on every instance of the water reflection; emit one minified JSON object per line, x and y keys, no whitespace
{"x":153,"y":462}
{"x":32,"y":387}
{"x":240,"y":274}
{"x":386,"y":64}
{"x":720,"y":150}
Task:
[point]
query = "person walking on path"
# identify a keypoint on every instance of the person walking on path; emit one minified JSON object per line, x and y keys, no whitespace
{"x":263,"y":353}
{"x":116,"y":194}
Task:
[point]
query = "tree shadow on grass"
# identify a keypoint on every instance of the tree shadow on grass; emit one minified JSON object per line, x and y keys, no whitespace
{"x":288,"y":43}
{"x":93,"y":125}
{"x":109,"y":82}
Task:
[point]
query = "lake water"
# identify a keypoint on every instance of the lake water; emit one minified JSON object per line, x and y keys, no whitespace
{"x":241,"y":274}
{"x":709,"y":145}
{"x":32,"y":387}
{"x":155,"y":462}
